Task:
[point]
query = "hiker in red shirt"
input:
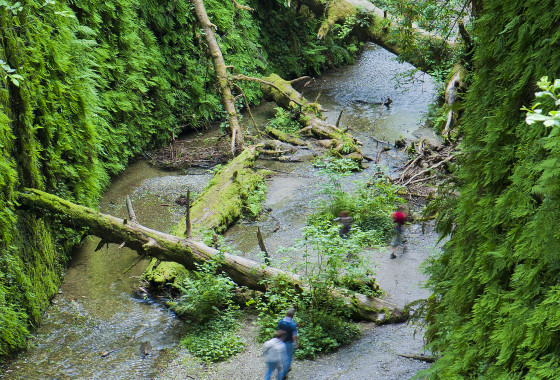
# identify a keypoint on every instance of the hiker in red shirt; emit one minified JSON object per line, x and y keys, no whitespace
{"x":399,"y":218}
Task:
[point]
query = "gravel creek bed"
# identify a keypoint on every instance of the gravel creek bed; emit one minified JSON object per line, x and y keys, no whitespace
{"x":373,"y":356}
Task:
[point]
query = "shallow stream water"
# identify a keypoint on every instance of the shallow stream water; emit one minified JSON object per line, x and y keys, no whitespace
{"x":97,"y":328}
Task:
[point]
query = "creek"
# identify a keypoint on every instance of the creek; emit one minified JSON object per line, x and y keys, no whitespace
{"x":98,"y":327}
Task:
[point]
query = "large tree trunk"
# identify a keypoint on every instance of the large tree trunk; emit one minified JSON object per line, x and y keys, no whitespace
{"x":221,"y":203}
{"x":189,"y":252}
{"x":380,"y":30}
{"x":237,"y":139}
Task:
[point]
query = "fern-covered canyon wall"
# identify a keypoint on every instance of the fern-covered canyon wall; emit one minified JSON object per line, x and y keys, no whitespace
{"x":494,"y":313}
{"x":87,"y":85}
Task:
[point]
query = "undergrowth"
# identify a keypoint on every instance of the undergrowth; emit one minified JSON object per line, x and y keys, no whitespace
{"x":285,"y":121}
{"x":206,"y":302}
{"x":324,"y":322}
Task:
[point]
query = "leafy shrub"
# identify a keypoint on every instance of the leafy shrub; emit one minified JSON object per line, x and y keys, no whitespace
{"x":321,"y":319}
{"x":322,"y":331}
{"x":215,"y":340}
{"x":204,"y":296}
{"x":207,"y":300}
{"x":285,"y":121}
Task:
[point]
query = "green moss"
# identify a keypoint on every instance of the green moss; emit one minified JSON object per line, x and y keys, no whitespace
{"x":337,"y":11}
{"x":166,"y":273}
{"x":223,"y":200}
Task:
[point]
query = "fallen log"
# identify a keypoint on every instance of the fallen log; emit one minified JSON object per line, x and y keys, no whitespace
{"x":282,"y":92}
{"x":222,"y":200}
{"x":382,"y":29}
{"x":190,"y":253}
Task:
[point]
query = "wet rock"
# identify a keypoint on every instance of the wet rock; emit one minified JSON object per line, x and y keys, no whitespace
{"x":146,"y":348}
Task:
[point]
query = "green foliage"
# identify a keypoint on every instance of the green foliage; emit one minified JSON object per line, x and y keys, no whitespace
{"x":290,"y":37}
{"x":323,"y":329}
{"x":497,"y":277}
{"x":215,"y":340}
{"x":86,"y":85}
{"x":255,"y":200}
{"x":432,"y":15}
{"x":322,"y":320}
{"x":330,"y":164}
{"x":439,"y":17}
{"x":206,"y":301}
{"x":285,"y":121}
{"x":194,"y":100}
{"x":204,"y":295}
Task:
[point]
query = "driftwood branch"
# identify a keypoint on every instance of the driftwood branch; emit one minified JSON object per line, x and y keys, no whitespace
{"x":381,"y":141}
{"x":293,"y":81}
{"x":188,"y":229}
{"x":263,"y":247}
{"x":247,"y":105}
{"x":339,"y":117}
{"x":131,"y":213}
{"x":428,"y":170}
{"x":244,"y":7}
{"x":427,"y":359}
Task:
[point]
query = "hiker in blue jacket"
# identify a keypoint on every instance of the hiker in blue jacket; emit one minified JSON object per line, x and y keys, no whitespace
{"x":288,"y":325}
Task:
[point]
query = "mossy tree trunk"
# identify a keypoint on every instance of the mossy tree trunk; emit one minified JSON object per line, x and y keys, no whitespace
{"x":341,"y":142}
{"x":380,"y":29}
{"x":228,"y":101}
{"x":189,"y":252}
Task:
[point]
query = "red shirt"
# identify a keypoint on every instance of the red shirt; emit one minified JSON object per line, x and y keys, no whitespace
{"x":399,"y":217}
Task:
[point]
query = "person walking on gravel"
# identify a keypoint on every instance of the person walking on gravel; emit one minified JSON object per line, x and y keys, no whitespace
{"x":274,"y":352}
{"x":288,"y":325}
{"x":399,"y":218}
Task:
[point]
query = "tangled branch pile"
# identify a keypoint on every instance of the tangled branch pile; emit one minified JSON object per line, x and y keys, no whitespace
{"x":182,"y":154}
{"x":431,"y":163}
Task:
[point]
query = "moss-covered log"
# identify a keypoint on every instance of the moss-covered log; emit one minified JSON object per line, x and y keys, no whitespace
{"x":343,"y":144}
{"x":285,"y":137}
{"x":222,"y":200}
{"x":188,"y":252}
{"x":427,"y":51}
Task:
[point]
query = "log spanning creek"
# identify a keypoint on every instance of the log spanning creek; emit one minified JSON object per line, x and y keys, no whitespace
{"x":99,"y":327}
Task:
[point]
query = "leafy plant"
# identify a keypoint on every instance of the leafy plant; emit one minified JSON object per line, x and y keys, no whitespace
{"x":255,"y":200}
{"x":214,"y":340}
{"x":206,"y":300}
{"x":285,"y":121}
{"x":330,"y":164}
